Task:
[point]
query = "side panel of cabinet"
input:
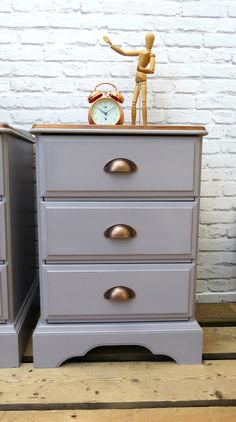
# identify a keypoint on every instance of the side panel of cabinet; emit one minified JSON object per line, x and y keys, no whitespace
{"x":3,"y":294}
{"x":2,"y":232}
{"x":22,"y":219}
{"x":1,"y":169}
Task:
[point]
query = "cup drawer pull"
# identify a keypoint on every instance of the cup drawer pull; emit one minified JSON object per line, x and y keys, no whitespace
{"x":119,"y":294}
{"x":120,"y":165}
{"x":120,"y":231}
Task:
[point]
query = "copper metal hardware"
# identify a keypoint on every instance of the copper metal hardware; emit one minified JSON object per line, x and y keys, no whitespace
{"x":119,"y":294}
{"x":120,"y":231}
{"x":120,"y":165}
{"x":96,"y":94}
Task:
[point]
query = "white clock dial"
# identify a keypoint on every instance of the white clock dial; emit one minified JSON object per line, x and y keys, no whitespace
{"x":105,"y":112}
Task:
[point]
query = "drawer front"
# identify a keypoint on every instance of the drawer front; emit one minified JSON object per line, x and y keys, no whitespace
{"x":2,"y":232}
{"x":1,"y":169}
{"x":74,"y":166}
{"x":3,"y":294}
{"x":76,"y":292}
{"x":156,"y":230}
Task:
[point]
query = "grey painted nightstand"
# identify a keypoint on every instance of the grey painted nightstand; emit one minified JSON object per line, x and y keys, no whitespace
{"x":118,"y":221}
{"x":17,"y":242}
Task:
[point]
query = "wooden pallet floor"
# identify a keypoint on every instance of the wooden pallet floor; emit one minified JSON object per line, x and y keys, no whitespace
{"x":130,"y":384}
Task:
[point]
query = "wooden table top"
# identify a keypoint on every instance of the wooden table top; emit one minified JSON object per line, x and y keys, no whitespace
{"x":150,"y":129}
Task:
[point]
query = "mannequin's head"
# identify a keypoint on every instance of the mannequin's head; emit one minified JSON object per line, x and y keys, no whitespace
{"x":149,"y":40}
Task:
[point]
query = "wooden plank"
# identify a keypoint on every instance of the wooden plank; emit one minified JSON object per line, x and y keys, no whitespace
{"x":216,"y":313}
{"x":211,"y":414}
{"x":118,"y":385}
{"x":219,"y":341}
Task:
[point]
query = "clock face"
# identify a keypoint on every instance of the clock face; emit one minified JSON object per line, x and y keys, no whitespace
{"x":105,"y":112}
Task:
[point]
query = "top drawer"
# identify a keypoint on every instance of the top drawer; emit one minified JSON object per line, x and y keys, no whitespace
{"x":1,"y":169}
{"x":73,"y":165}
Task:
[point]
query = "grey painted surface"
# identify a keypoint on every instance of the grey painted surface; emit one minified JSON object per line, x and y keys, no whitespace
{"x":73,"y":230}
{"x":2,"y":232}
{"x":9,"y":347}
{"x":14,"y":335}
{"x":17,"y":245}
{"x":74,"y":165}
{"x":1,"y":169}
{"x":81,"y":202}
{"x":3,"y":294}
{"x":21,"y":134}
{"x":53,"y":344}
{"x":22,"y":224}
{"x":76,"y":292}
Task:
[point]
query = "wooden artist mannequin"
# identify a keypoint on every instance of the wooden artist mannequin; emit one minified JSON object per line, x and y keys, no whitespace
{"x":145,"y":57}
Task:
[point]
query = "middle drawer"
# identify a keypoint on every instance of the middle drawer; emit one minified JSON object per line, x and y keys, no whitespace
{"x":72,"y":231}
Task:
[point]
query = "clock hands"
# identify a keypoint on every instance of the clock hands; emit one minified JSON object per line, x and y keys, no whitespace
{"x":107,"y":111}
{"x":104,"y":112}
{"x":110,"y":109}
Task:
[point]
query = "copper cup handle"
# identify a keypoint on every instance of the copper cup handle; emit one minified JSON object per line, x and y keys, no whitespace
{"x":120,"y":165}
{"x":119,"y":294}
{"x":120,"y":231}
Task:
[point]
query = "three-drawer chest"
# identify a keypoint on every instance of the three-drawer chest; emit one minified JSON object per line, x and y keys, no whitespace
{"x":118,"y":226}
{"x":17,"y":243}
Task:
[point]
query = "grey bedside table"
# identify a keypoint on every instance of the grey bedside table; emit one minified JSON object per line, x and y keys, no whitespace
{"x":118,"y":221}
{"x":17,"y":243}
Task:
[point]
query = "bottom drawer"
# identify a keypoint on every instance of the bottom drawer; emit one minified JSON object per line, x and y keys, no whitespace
{"x":3,"y":294}
{"x":111,"y":292}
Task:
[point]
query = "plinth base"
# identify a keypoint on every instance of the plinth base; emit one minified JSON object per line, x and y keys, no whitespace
{"x":14,"y":336}
{"x":55,"y":343}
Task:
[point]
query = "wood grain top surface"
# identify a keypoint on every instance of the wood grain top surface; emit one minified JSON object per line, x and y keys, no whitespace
{"x":117,"y":127}
{"x":150,"y":129}
{"x":4,"y":126}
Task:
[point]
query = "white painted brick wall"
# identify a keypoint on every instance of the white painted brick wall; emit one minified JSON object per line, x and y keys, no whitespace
{"x":52,"y":55}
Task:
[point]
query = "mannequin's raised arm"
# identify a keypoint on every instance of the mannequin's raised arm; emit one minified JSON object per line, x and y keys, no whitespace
{"x":118,"y":49}
{"x":122,"y":52}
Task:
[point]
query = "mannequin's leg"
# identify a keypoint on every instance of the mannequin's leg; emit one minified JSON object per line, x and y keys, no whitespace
{"x":134,"y":102}
{"x":144,"y":103}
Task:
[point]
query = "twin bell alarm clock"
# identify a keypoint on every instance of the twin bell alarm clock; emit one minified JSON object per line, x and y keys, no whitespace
{"x":105,"y":106}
